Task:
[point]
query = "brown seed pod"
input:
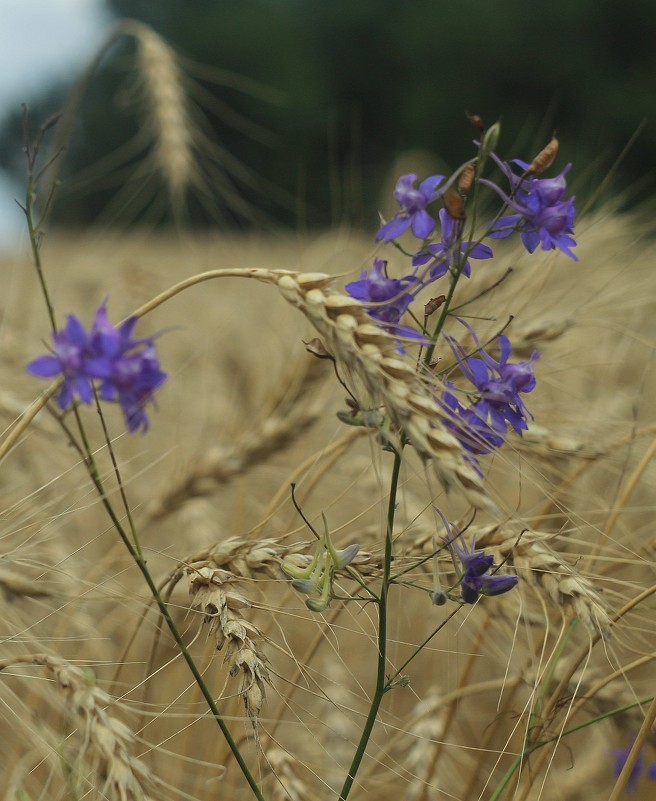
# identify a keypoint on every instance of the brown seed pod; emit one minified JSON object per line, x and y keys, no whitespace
{"x":545,"y":158}
{"x":467,"y":178}
{"x":433,"y":305}
{"x":454,"y":204}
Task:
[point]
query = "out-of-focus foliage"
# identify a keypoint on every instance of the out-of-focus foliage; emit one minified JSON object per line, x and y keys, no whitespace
{"x":358,"y":83}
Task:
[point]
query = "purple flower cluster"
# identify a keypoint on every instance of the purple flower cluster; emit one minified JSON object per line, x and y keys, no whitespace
{"x":482,"y":417}
{"x":482,"y":426}
{"x":541,"y":215}
{"x":125,"y":370}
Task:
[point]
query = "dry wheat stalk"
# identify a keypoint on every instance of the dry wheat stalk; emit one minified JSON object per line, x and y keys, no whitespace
{"x":544,"y":569}
{"x":221,"y":608}
{"x":274,"y":430}
{"x":169,"y":120}
{"x":106,"y":742}
{"x":287,"y":784}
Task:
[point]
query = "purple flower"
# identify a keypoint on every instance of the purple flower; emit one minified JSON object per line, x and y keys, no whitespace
{"x":541,"y":216}
{"x":473,"y":568}
{"x":126,"y":369}
{"x":450,"y":250}
{"x":390,"y":297}
{"x":499,"y":383}
{"x":70,"y":359}
{"x":620,"y":756}
{"x":413,"y":201}
{"x":470,"y":425}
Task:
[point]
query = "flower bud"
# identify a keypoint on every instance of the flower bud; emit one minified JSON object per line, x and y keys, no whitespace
{"x":316,"y":604}
{"x":466,"y":178}
{"x":346,"y":556}
{"x":304,"y":585}
{"x":476,"y":121}
{"x":438,"y":598}
{"x":491,"y":138}
{"x":296,"y":571}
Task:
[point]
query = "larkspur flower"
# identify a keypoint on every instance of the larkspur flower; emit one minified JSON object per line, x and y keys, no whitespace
{"x":126,"y":369}
{"x":541,"y":216}
{"x":473,"y":569}
{"x":70,"y":357}
{"x":499,"y":383}
{"x":441,"y":256}
{"x":471,"y":426}
{"x":413,"y":201}
{"x":389,"y":297}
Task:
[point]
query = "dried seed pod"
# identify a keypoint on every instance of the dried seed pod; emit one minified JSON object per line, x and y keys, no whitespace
{"x":454,"y":204}
{"x":467,"y":178}
{"x":476,"y":121}
{"x":433,"y":305}
{"x":545,"y":158}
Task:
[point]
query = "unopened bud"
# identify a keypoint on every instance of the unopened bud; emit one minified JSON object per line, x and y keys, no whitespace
{"x":491,"y":138}
{"x":346,"y":556}
{"x":304,"y":585}
{"x":545,"y":158}
{"x":296,"y":571}
{"x":316,"y":604}
{"x":438,"y":597}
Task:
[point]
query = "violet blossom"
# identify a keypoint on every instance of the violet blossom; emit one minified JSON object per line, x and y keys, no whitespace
{"x":413,"y":201}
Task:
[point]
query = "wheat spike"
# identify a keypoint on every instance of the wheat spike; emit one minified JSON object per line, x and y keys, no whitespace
{"x":370,"y":353}
{"x":168,"y":121}
{"x":543,"y":568}
{"x":106,"y":742}
{"x":221,"y":607}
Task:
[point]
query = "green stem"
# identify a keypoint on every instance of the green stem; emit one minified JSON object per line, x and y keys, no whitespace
{"x":381,"y":683}
{"x":140,"y":562}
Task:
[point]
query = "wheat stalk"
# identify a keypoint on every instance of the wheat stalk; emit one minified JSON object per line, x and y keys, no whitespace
{"x":274,"y":430}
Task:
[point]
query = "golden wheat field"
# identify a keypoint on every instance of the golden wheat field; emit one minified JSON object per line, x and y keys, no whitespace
{"x":263,"y":595}
{"x":96,"y":699}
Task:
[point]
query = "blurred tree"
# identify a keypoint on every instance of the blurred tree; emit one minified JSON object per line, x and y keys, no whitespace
{"x":357,"y":83}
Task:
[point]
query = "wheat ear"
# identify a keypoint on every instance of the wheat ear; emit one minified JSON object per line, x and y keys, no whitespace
{"x":544,"y":569}
{"x":106,"y":742}
{"x":221,"y":607}
{"x":168,"y":122}
{"x":370,"y":353}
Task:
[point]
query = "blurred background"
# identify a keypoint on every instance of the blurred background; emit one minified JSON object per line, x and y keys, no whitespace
{"x":302,"y":109}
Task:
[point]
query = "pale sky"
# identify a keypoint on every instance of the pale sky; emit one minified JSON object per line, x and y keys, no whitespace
{"x":40,"y":41}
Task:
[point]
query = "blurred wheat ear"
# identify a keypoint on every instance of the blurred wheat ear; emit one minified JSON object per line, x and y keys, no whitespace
{"x":176,"y":147}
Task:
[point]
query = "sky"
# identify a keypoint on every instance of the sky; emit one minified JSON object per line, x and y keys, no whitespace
{"x":40,"y":41}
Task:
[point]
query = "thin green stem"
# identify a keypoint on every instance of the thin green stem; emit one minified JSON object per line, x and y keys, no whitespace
{"x":381,"y":682}
{"x":140,"y":562}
